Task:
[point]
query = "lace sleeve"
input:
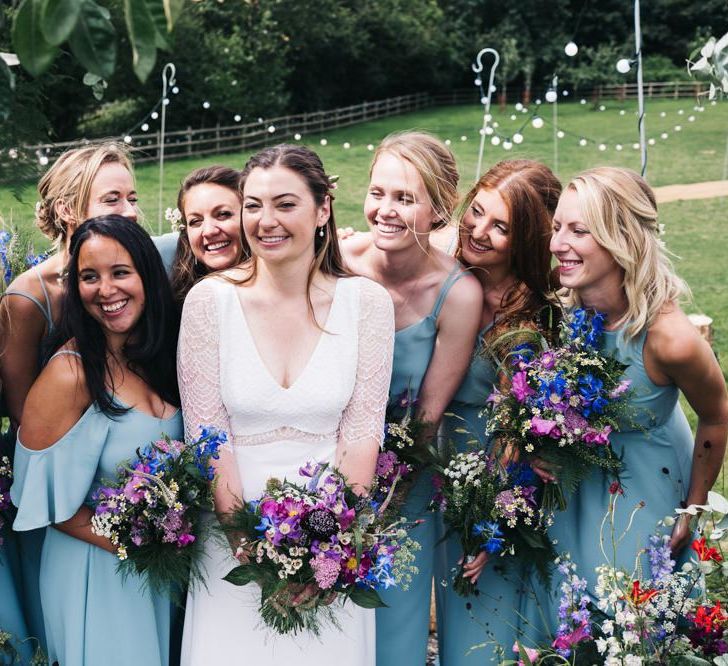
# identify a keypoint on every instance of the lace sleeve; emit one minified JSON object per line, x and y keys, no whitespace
{"x":362,"y":423}
{"x":198,"y":374}
{"x":198,"y":363}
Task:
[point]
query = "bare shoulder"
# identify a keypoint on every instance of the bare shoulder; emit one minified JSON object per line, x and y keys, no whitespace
{"x":674,"y":342}
{"x":56,"y":400}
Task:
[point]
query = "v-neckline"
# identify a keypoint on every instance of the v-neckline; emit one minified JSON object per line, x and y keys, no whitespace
{"x":319,"y":341}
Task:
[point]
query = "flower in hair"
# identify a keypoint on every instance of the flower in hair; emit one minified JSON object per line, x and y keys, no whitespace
{"x":174,"y":217}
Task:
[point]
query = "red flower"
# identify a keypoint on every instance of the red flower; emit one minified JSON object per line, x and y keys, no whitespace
{"x":638,"y":596}
{"x":615,"y":488}
{"x":706,"y":554}
{"x":710,"y":618}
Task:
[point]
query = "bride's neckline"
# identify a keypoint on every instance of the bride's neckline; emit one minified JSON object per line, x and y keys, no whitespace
{"x":261,"y":361}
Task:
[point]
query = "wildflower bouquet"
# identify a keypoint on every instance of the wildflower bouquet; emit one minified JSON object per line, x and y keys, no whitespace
{"x":562,"y":404}
{"x":6,"y":480}
{"x":16,"y":256}
{"x":306,"y":545}
{"x":664,"y":616}
{"x":151,"y":512}
{"x":493,"y":508}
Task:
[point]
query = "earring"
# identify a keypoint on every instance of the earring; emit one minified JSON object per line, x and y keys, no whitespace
{"x":321,"y":232}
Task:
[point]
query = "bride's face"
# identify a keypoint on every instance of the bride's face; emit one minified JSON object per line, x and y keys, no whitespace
{"x":280,"y":216}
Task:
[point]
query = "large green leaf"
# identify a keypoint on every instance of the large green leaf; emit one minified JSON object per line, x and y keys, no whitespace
{"x":366,"y":598}
{"x":143,"y":37}
{"x":58,"y":19}
{"x":7,"y":87}
{"x":93,"y":40}
{"x":172,"y":10}
{"x":241,"y":575}
{"x":156,"y":11}
{"x":34,"y":52}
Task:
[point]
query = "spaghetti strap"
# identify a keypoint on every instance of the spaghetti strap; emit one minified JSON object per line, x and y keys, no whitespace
{"x":455,"y":274}
{"x":61,"y":352}
{"x":44,"y":307}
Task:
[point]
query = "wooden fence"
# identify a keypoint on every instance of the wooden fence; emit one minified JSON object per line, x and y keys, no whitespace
{"x":242,"y":137}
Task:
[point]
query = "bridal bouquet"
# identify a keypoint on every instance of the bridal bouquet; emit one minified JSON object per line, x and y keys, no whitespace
{"x":562,"y":405}
{"x":6,"y":480}
{"x":493,"y":508}
{"x":663,"y":615}
{"x":151,"y":512}
{"x":307,"y":545}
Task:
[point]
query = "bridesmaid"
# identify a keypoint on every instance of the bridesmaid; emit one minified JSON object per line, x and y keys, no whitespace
{"x":84,"y":182}
{"x":210,"y":203}
{"x":437,"y":307}
{"x":606,"y":238}
{"x":503,"y":239}
{"x":110,"y":388}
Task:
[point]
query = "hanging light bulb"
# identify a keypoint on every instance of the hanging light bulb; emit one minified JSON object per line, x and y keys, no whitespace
{"x":297,"y":136}
{"x":582,"y":142}
{"x":495,"y":140}
{"x":537,"y":122}
{"x":507,"y":145}
{"x":571,"y":49}
{"x":551,"y":96}
{"x":624,"y":65}
{"x":518,"y":138}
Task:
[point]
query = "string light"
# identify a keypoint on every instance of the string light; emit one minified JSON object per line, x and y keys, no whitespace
{"x":664,"y":135}
{"x":463,"y":138}
{"x":518,"y":138}
{"x":678,"y":128}
{"x":297,"y":136}
{"x":537,"y":122}
{"x":495,"y":140}
{"x":127,"y":139}
{"x":370,"y":147}
{"x":618,"y":146}
{"x":582,"y":142}
{"x":237,"y":118}
{"x":347,"y":145}
{"x":560,"y":134}
{"x":602,"y":147}
{"x":323,"y":142}
{"x":205,"y":105}
{"x":571,"y":49}
{"x":272,"y":129}
{"x":507,"y":145}
{"x":651,"y":142}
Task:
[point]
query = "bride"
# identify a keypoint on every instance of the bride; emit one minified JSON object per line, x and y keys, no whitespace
{"x":292,"y":358}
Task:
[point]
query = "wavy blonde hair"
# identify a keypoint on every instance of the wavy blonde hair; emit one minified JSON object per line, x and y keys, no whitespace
{"x":435,"y":163}
{"x":620,"y":210}
{"x":69,"y":182}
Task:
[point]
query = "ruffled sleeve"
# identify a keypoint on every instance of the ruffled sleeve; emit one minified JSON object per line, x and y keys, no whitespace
{"x":51,"y":485}
{"x":363,"y":418}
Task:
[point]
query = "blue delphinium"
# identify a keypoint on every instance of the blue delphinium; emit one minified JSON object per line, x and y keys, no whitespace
{"x":591,"y":390}
{"x":492,"y":530}
{"x":586,"y":326}
{"x":660,"y":555}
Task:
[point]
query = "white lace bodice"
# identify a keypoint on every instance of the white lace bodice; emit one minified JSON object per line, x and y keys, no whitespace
{"x":340,"y":395}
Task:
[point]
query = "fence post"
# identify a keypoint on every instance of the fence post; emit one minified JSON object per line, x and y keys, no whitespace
{"x":189,"y":140}
{"x":676,"y":89}
{"x":217,"y":137}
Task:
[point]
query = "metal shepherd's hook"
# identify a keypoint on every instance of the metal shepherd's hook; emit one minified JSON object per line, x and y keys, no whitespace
{"x":168,"y":79}
{"x":485,"y":96}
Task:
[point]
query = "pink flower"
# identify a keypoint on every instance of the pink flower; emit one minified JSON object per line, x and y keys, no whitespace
{"x":581,"y":633}
{"x":621,"y":388}
{"x":325,"y":571}
{"x":547,"y":427}
{"x":185,"y":540}
{"x":531,"y":653}
{"x":520,"y":387}
{"x":598,"y":437}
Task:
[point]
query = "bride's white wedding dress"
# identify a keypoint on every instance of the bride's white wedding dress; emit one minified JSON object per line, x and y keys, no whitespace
{"x":337,"y":401}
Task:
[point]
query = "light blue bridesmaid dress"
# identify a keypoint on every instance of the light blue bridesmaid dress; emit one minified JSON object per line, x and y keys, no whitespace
{"x":403,"y":627}
{"x":657,"y":445}
{"x":166,"y":245}
{"x":92,"y":614}
{"x":490,"y":617}
{"x":12,"y":619}
{"x":29,"y":544}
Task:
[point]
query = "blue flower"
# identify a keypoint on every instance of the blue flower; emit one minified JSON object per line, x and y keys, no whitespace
{"x":520,"y":474}
{"x":490,"y":529}
{"x":590,"y":388}
{"x":264,"y":524}
{"x":586,"y":327}
{"x":522,"y":354}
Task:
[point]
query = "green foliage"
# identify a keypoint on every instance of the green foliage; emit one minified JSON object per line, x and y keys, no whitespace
{"x":106,"y":119}
{"x":59,"y":19}
{"x":93,"y":41}
{"x":658,"y":67}
{"x":34,"y":52}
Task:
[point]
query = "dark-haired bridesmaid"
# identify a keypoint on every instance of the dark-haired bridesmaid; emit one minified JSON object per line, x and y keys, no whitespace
{"x":109,"y":388}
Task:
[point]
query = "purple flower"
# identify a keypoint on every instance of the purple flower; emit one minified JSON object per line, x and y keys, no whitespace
{"x":545,"y":427}
{"x":597,"y":437}
{"x":185,"y":540}
{"x":621,"y":388}
{"x":520,"y":387}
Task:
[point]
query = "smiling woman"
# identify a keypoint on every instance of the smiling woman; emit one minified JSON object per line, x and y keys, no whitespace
{"x":109,"y":388}
{"x":292,"y":357}
{"x":210,"y":232}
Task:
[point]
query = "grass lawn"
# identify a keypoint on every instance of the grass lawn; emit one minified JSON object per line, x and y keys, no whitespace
{"x":696,"y":230}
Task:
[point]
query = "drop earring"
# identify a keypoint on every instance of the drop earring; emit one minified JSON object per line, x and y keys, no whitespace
{"x":321,"y":232}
